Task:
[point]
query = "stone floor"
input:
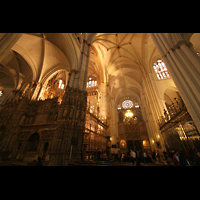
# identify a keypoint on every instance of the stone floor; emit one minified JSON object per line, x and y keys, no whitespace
{"x":89,"y":163}
{"x":114,"y":163}
{"x":18,"y":163}
{"x":100,"y":163}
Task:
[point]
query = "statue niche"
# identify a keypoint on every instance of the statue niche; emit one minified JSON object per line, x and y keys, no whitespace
{"x":32,"y":143}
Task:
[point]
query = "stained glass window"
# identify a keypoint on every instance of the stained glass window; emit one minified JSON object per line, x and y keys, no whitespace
{"x":161,"y":70}
{"x":127,"y":104}
{"x":91,"y":82}
{"x":60,"y":83}
{"x":136,"y":105}
{"x":62,"y":86}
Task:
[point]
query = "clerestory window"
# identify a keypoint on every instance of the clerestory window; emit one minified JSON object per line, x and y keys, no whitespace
{"x":161,"y":70}
{"x":91,"y":83}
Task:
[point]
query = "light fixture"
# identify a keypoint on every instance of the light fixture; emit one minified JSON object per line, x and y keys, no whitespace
{"x":129,"y":113}
{"x":129,"y":118}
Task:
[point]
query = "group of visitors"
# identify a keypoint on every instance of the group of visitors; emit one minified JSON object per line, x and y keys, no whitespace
{"x":156,"y":155}
{"x":136,"y":157}
{"x":179,"y":159}
{"x":185,"y":159}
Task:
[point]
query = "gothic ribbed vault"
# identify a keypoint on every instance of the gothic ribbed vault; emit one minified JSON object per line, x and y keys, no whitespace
{"x":125,"y":59}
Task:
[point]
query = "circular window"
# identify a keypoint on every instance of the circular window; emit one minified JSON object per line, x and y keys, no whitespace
{"x":127,"y":104}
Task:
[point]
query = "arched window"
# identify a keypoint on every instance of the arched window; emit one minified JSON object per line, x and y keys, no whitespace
{"x":161,"y":70}
{"x":61,"y":85}
{"x":91,"y":82}
{"x":137,"y":105}
{"x":119,"y":107}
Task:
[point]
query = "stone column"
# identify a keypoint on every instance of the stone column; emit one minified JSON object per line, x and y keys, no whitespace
{"x":79,"y":78}
{"x":183,"y":66}
{"x":113,"y":125}
{"x":84,"y":66}
{"x":153,"y":110}
{"x":72,"y":117}
{"x":42,"y":90}
{"x":103,"y":99}
{"x":152,"y":96}
{"x":36,"y":90}
{"x":71,"y":79}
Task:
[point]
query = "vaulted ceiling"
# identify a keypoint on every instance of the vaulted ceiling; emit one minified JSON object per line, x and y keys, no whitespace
{"x":36,"y":57}
{"x":42,"y":54}
{"x":125,"y":58}
{"x":121,"y":60}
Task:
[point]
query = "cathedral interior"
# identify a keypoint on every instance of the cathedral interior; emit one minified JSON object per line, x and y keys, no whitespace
{"x":64,"y":96}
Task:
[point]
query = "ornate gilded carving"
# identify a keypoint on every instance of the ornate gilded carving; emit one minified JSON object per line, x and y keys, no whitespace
{"x":60,"y":122}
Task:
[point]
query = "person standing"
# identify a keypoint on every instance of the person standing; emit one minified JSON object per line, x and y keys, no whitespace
{"x":39,"y":162}
{"x":176,"y":159}
{"x":157,"y":156}
{"x":145,"y":156}
{"x":183,"y":160}
{"x":138,"y":158}
{"x":154,"y":155}
{"x":171,"y":154}
{"x":95,"y":155}
{"x":122,"y":158}
{"x":189,"y":156}
{"x":197,"y":159}
{"x":99,"y":155}
{"x":133,"y":156}
{"x":165,"y":154}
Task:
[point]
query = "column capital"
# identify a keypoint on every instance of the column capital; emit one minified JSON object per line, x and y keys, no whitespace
{"x":180,"y":43}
